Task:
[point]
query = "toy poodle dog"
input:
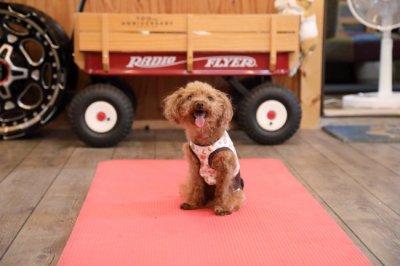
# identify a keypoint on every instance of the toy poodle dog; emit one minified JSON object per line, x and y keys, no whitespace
{"x":214,"y":173}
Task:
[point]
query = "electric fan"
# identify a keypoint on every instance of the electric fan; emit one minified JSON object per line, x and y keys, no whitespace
{"x":383,"y":15}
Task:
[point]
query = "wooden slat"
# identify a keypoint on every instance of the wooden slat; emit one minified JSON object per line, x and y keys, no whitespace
{"x":134,"y":22}
{"x":128,"y":42}
{"x":245,"y":23}
{"x":177,"y":22}
{"x":169,"y":150}
{"x":231,"y":23}
{"x":140,"y":145}
{"x":251,"y":42}
{"x":210,"y":33}
{"x":13,"y":153}
{"x":385,"y":154}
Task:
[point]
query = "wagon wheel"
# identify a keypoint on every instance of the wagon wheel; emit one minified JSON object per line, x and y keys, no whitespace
{"x":101,"y":115}
{"x":269,"y":114}
{"x":32,"y":69}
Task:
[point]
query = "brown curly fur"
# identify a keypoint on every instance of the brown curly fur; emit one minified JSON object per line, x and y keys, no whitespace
{"x":179,"y":108}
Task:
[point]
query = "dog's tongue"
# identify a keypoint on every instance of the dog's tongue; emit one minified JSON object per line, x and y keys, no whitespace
{"x":199,"y":119}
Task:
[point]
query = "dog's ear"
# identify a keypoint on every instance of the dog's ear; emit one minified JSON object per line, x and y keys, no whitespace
{"x":171,"y":106}
{"x":227,"y":109}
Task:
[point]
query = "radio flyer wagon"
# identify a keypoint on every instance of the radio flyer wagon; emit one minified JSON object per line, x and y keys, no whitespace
{"x":185,"y":45}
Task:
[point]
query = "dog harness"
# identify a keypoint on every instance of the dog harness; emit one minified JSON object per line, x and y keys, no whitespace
{"x":205,"y":153}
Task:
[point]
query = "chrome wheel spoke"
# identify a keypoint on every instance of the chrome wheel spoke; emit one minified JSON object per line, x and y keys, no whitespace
{"x":18,"y":73}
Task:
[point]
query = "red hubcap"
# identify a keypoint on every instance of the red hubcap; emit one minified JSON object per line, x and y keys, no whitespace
{"x":101,"y":116}
{"x":271,"y":115}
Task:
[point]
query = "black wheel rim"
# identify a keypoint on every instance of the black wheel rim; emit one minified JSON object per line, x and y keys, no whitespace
{"x":31,"y":73}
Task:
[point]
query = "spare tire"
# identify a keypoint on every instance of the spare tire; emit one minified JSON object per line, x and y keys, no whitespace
{"x":34,"y":58}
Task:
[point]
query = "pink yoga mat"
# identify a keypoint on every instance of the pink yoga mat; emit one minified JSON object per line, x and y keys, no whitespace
{"x":131,"y":216}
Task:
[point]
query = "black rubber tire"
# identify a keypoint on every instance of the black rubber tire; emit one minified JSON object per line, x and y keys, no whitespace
{"x":47,"y":30}
{"x":119,"y":83}
{"x":251,"y":102}
{"x":107,"y":93}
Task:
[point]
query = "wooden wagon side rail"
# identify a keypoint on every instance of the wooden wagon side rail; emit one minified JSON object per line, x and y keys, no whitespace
{"x":188,"y":33}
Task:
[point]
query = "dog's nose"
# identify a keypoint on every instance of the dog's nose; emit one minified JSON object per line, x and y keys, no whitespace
{"x":199,"y":105}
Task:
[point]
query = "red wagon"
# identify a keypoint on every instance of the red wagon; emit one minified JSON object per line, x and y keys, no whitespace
{"x":185,"y":44}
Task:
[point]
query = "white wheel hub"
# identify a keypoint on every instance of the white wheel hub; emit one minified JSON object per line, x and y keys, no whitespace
{"x":101,"y":116}
{"x":271,"y":115}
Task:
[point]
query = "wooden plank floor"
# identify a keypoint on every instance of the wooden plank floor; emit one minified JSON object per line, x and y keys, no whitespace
{"x":44,"y":180}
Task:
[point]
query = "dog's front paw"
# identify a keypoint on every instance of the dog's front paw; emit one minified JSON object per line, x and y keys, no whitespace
{"x":186,"y":206}
{"x":221,"y":211}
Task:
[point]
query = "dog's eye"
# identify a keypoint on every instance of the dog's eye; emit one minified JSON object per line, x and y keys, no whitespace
{"x":189,"y":97}
{"x":210,"y":98}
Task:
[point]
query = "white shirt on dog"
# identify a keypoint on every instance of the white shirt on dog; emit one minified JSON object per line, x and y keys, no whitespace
{"x":203,"y":153}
